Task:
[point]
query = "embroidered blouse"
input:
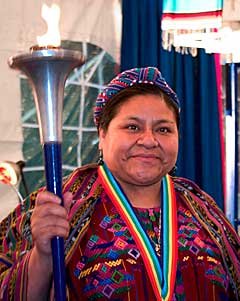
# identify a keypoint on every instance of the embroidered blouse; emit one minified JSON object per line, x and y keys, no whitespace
{"x":102,"y":260}
{"x":108,"y":266}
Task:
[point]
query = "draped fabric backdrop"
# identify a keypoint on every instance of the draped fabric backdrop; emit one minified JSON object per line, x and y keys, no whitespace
{"x":195,"y":81}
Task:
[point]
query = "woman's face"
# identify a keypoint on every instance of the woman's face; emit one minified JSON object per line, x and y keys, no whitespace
{"x":141,"y":143}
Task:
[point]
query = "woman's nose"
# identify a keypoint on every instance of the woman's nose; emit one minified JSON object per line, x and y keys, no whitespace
{"x":147,"y":139}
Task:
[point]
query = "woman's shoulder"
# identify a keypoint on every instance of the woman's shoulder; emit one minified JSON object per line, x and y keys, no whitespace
{"x":24,"y":210}
{"x":80,"y":178}
{"x":202,"y":205}
{"x":198,"y":201}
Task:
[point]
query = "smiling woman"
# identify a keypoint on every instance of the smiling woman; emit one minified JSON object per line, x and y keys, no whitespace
{"x":143,"y":136}
{"x":132,"y":231}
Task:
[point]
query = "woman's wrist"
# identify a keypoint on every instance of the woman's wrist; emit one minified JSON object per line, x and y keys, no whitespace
{"x":39,"y":275}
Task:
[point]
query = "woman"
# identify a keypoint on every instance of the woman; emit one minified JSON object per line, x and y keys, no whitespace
{"x":131,"y":231}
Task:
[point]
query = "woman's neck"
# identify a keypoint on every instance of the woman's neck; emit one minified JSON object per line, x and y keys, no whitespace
{"x":143,"y":196}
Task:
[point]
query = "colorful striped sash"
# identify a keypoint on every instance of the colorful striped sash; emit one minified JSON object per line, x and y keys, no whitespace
{"x":162,"y":277}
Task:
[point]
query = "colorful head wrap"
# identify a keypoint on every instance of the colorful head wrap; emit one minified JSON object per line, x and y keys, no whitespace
{"x":148,"y":75}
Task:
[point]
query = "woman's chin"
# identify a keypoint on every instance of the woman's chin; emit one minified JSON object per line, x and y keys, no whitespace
{"x":145,"y":178}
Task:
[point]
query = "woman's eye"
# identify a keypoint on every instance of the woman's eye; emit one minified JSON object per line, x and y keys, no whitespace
{"x":164,"y":130}
{"x":133,"y":127}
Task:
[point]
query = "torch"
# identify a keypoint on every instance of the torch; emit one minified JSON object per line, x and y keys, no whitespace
{"x":47,"y":68}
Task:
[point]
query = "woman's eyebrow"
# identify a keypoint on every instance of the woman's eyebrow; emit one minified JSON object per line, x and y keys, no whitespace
{"x":157,"y":121}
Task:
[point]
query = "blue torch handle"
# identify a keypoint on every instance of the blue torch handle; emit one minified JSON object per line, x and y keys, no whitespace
{"x":53,"y":171}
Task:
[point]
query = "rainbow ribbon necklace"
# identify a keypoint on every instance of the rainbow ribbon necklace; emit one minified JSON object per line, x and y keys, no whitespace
{"x":162,"y":277}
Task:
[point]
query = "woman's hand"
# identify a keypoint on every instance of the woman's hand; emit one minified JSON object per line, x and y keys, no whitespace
{"x":49,"y":219}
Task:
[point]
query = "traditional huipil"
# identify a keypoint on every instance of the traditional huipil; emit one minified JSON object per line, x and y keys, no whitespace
{"x":105,"y":259}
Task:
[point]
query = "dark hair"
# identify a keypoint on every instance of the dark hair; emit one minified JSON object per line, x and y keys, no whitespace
{"x":112,"y":107}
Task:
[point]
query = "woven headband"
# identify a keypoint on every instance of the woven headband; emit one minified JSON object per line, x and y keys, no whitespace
{"x":148,"y":75}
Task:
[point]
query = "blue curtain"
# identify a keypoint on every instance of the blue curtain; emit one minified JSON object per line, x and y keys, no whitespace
{"x":194,"y":80}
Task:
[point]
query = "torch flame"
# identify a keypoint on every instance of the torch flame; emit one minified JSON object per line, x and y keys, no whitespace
{"x":52,"y":37}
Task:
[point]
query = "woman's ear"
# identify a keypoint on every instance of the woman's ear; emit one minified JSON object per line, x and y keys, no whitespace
{"x":101,"y":136}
